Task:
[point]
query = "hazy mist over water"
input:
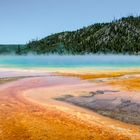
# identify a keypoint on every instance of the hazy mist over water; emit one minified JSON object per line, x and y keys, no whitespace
{"x":67,"y":61}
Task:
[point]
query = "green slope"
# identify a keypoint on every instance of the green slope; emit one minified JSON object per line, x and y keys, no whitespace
{"x":119,"y":36}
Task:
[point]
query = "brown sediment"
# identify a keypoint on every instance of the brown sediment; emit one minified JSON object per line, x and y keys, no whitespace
{"x":110,"y":128}
{"x":100,"y":74}
{"x":122,"y":105}
{"x":8,"y":79}
{"x":129,"y":84}
{"x":27,"y":111}
{"x":22,"y":119}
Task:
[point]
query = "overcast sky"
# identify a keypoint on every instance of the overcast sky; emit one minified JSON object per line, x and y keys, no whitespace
{"x":23,"y":20}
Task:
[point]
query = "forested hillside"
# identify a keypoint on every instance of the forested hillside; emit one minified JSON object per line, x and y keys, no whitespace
{"x":119,"y":36}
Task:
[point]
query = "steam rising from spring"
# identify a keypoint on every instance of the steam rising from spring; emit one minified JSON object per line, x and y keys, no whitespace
{"x":70,"y":61}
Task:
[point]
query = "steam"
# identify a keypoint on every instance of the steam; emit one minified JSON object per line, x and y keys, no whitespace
{"x":70,"y":61}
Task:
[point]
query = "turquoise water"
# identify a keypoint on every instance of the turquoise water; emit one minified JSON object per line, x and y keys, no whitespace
{"x":53,"y":61}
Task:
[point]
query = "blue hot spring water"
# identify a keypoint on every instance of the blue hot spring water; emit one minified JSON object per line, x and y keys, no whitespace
{"x":69,"y":61}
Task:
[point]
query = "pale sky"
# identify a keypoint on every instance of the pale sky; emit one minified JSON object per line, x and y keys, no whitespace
{"x":24,"y":20}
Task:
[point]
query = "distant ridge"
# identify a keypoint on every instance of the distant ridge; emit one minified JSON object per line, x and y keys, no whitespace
{"x":11,"y":48}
